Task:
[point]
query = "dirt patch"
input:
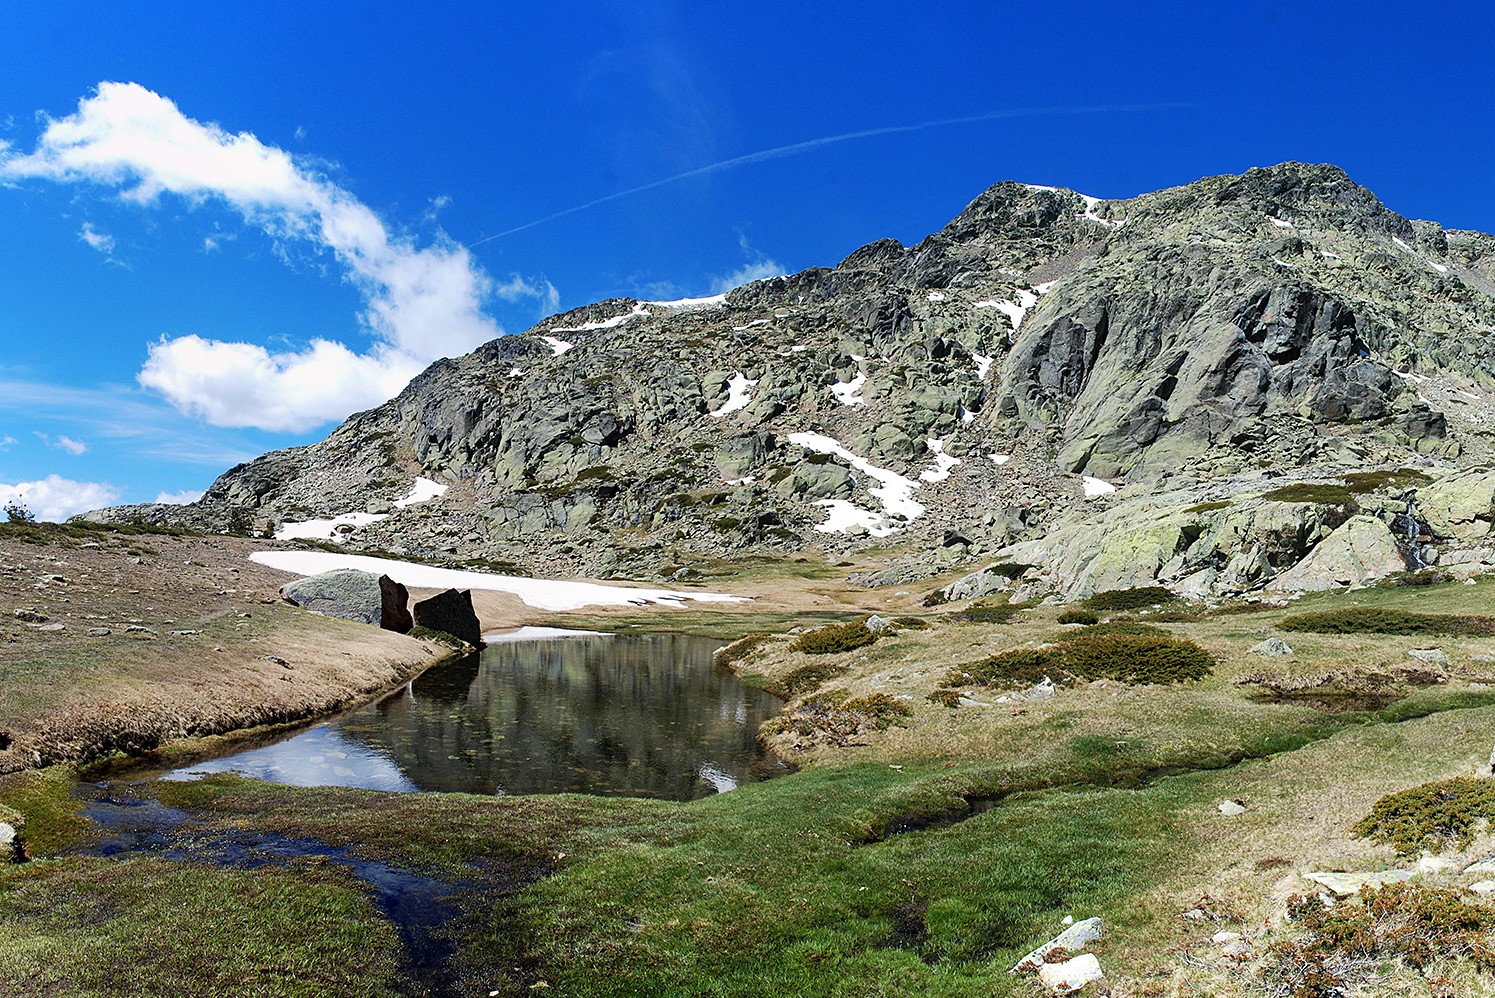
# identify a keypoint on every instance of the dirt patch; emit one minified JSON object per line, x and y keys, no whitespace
{"x":120,"y":641}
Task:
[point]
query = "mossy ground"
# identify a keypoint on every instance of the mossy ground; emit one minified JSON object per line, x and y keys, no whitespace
{"x":923,"y":860}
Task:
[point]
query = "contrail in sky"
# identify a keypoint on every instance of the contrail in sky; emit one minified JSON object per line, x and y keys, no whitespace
{"x":794,"y":149}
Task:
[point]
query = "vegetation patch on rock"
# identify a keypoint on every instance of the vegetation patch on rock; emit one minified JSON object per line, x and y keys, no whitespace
{"x":1129,"y":599}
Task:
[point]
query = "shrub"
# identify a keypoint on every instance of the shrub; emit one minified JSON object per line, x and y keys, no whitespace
{"x":945,"y":697}
{"x":834,"y":638}
{"x":836,"y":719}
{"x":1136,"y":658}
{"x":1019,"y":667}
{"x":1379,"y":620}
{"x":1174,"y":617}
{"x":16,"y":512}
{"x":1009,"y":569}
{"x":805,"y":678}
{"x":1345,"y":942}
{"x":1133,"y":627}
{"x":985,"y":613}
{"x":936,"y":598}
{"x":911,"y":623}
{"x":740,"y":649}
{"x":1129,"y":599}
{"x":1444,"y":811}
{"x":1078,"y":617}
{"x":1094,"y":653}
{"x":1423,"y":577}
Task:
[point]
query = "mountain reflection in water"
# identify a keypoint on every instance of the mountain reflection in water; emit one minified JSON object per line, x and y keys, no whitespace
{"x":629,"y":715}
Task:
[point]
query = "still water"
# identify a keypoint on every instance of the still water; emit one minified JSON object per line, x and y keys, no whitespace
{"x":617,"y":715}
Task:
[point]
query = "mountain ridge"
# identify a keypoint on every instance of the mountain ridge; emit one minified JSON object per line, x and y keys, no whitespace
{"x":1206,"y":341}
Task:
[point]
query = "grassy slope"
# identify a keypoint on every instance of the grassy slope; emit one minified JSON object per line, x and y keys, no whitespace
{"x":795,"y":886}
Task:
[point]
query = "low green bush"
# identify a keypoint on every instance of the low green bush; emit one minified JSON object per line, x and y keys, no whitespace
{"x":834,"y":638}
{"x":802,"y":679}
{"x":984,"y":615}
{"x":741,"y":649}
{"x":1078,"y":617}
{"x":1095,"y":653}
{"x":936,"y":598}
{"x":1431,"y":815}
{"x":1129,"y":599}
{"x":911,"y":623}
{"x":1383,"y":620}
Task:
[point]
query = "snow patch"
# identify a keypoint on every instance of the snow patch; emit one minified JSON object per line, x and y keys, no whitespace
{"x":514,"y":372}
{"x":542,"y":594}
{"x":738,"y":395}
{"x":539,"y":634}
{"x":422,"y":490}
{"x":557,"y":345}
{"x":1280,"y":223}
{"x":842,"y":516}
{"x":1095,"y":487}
{"x":326,"y":529}
{"x":750,"y":325}
{"x":1000,"y":459}
{"x":966,"y":415}
{"x":711,"y":301}
{"x":848,"y":392}
{"x":1015,"y":311}
{"x":744,"y":480}
{"x":943,"y":462}
{"x":894,"y":492}
{"x":983,"y":364}
{"x":640,"y":308}
{"x":1045,"y":287}
{"x":936,"y":296}
{"x":1329,"y":256}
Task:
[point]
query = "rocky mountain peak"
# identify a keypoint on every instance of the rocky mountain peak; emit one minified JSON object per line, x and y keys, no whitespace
{"x":979,"y":388}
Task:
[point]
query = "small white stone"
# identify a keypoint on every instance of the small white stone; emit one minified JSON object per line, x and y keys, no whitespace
{"x":1483,"y":887}
{"x":1345,"y":884}
{"x":1231,"y":808}
{"x":1220,"y":938}
{"x":1071,"y":975}
{"x":1068,"y":920}
{"x":1481,"y":866}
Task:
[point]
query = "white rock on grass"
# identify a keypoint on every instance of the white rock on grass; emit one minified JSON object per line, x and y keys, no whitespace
{"x":1432,"y":656}
{"x":1071,"y":975}
{"x":1071,"y":940}
{"x":1271,"y":648}
{"x":1435,"y":864}
{"x":1484,"y":887}
{"x":1481,"y":866}
{"x":1345,"y":884}
{"x":1231,"y":808}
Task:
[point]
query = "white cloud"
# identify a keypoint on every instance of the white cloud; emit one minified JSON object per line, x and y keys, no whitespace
{"x":97,"y":240}
{"x":181,"y":498}
{"x":56,"y":498}
{"x":65,"y":443}
{"x":421,"y":303}
{"x":6,"y":443}
{"x":517,"y":288}
{"x":243,"y":384}
{"x":746,"y":274}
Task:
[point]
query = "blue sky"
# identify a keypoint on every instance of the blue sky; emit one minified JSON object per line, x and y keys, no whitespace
{"x":225,"y":226}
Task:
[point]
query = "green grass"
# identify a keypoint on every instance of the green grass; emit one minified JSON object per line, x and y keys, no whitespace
{"x":149,"y":927}
{"x":54,"y":818}
{"x":1318,"y":493}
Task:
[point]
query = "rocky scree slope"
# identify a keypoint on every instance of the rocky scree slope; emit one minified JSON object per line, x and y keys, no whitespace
{"x":947,"y":400}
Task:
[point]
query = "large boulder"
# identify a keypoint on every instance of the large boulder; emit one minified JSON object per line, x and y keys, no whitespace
{"x":353,"y":595}
{"x":1360,"y":550}
{"x":1461,"y":505}
{"x":450,"y":611}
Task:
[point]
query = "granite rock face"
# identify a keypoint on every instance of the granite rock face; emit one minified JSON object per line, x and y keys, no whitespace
{"x":1207,"y":342}
{"x":352,"y":595}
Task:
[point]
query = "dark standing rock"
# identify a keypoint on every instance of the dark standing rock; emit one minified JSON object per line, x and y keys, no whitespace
{"x":394,"y":614}
{"x":352,"y":595}
{"x":451,"y":612}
